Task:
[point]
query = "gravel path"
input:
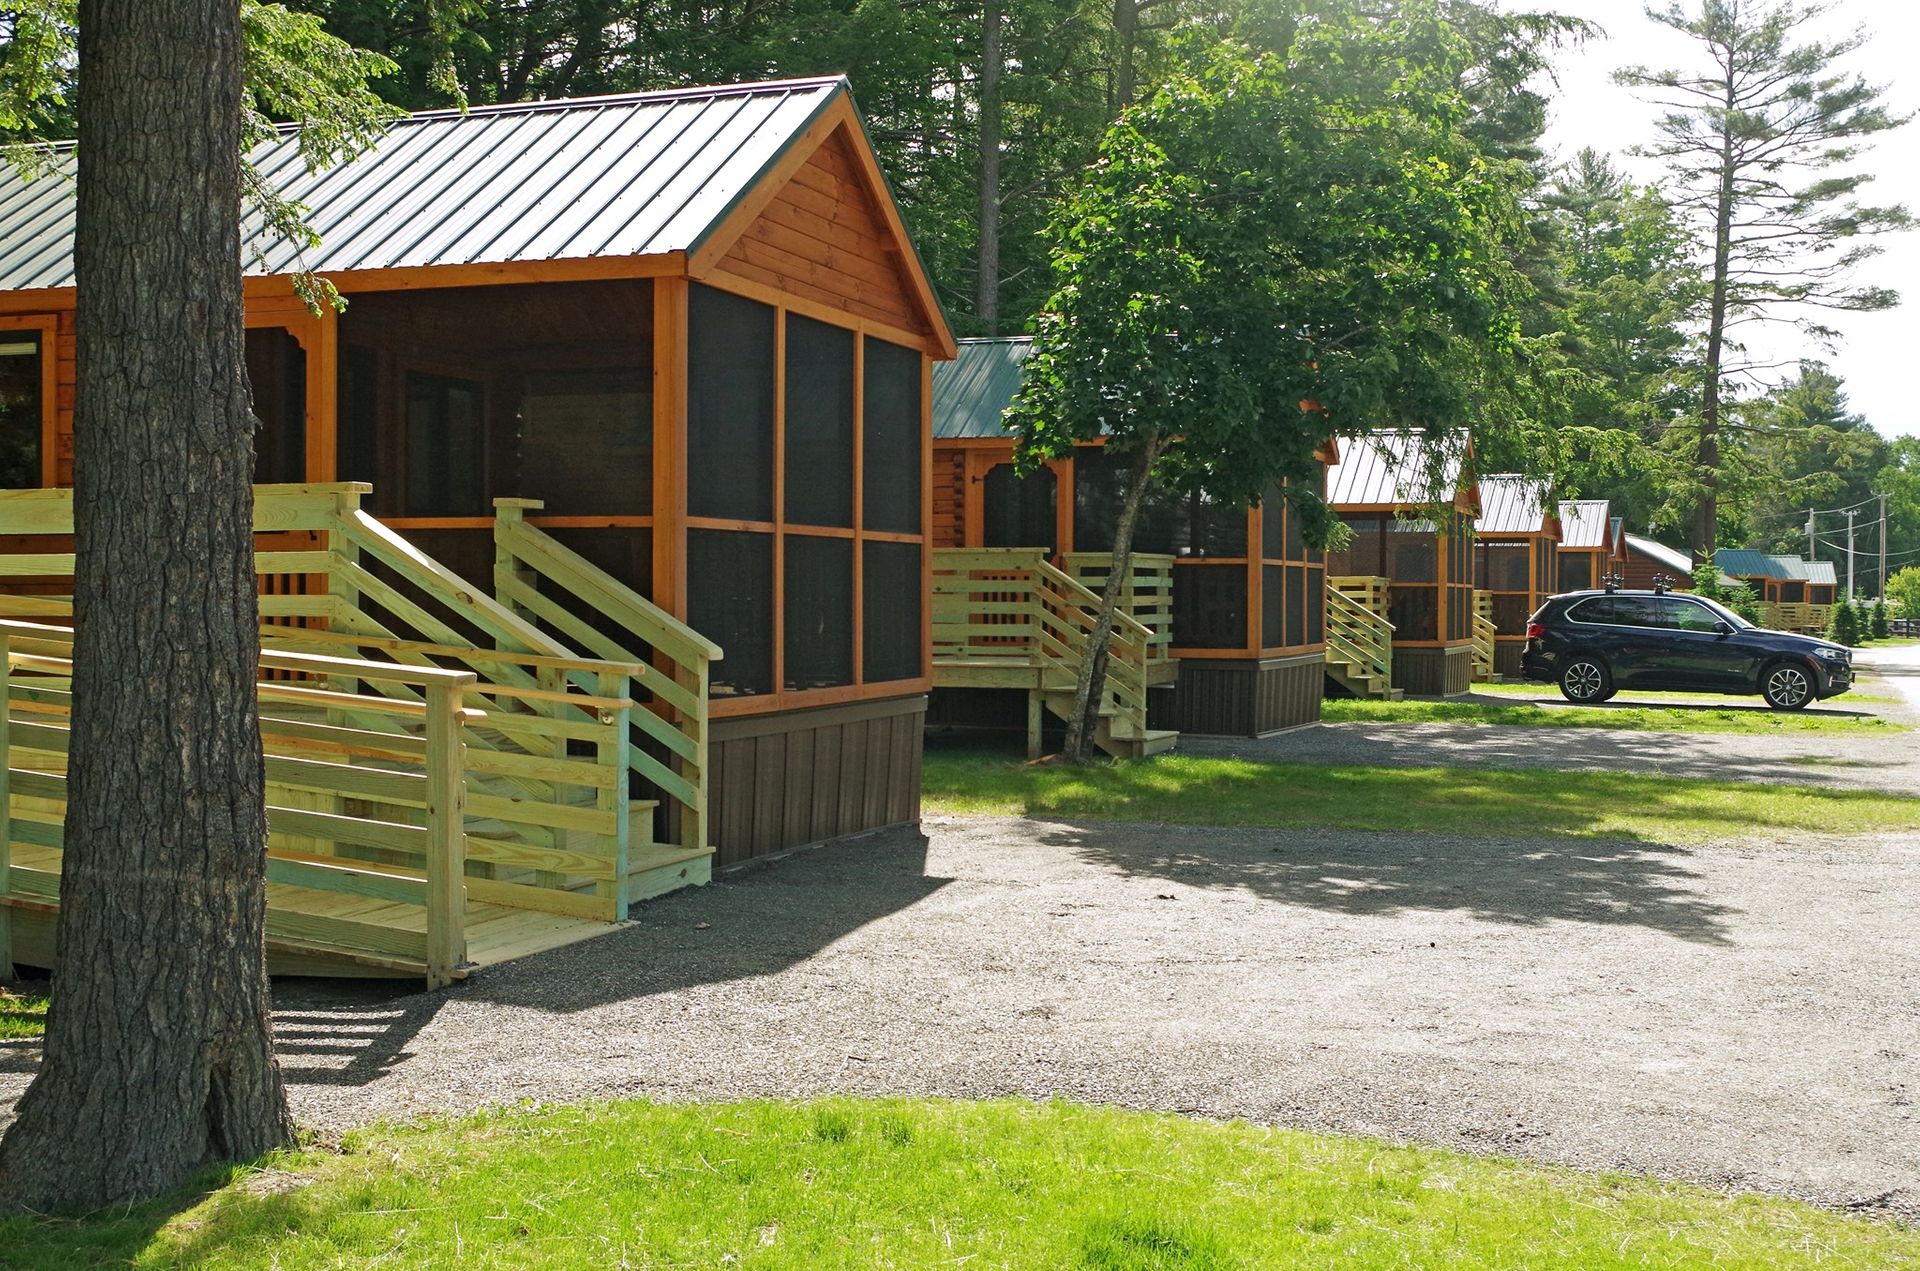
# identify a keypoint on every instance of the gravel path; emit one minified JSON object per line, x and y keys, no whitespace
{"x":1737,"y":1015}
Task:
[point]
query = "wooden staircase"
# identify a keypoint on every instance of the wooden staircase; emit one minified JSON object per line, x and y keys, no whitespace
{"x":1007,"y":618}
{"x":1359,"y":638}
{"x":1484,"y":633}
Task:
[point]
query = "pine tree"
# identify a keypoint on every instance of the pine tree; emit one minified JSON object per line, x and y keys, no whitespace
{"x":1844,"y":626}
{"x":1878,"y":626}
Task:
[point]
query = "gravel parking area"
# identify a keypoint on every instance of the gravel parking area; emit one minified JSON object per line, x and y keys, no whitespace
{"x":1741,"y":1015}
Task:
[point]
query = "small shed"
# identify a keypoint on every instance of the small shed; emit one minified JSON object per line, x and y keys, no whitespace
{"x":1592,"y":544}
{"x":1795,"y":594}
{"x":1410,"y":505}
{"x":683,"y":334}
{"x":1234,"y":592}
{"x":1515,"y":558}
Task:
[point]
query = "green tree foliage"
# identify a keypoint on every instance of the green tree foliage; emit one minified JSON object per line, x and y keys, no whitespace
{"x":1877,"y":621}
{"x":1798,"y":447}
{"x":1706,"y":581}
{"x":1623,"y":315}
{"x":1843,"y":627}
{"x":1269,"y":231}
{"x":1903,"y":589}
{"x":1760,"y":135}
{"x":1745,"y":601}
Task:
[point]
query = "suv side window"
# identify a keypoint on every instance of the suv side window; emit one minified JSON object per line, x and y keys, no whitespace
{"x":1599,"y":609}
{"x":1640,"y":611}
{"x":1685,"y":615}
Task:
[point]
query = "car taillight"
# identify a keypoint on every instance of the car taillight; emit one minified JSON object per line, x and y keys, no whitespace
{"x":1535,"y":630}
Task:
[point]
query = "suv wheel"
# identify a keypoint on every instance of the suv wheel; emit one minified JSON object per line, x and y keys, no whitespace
{"x":1787,"y":686}
{"x":1585,"y":681}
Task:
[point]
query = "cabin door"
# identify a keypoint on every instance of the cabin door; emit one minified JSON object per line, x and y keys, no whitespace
{"x":1019,"y":511}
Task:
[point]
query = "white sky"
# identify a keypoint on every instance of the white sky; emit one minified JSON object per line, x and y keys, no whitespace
{"x":1876,"y":356}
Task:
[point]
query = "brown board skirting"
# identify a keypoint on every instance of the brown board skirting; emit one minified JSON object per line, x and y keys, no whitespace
{"x":1241,"y":697}
{"x":1506,"y":658}
{"x":1439,"y":672}
{"x":784,"y":780}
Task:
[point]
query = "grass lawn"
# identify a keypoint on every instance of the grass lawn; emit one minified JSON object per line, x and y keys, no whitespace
{"x":1203,"y":791}
{"x":896,"y":1183}
{"x":1620,"y":713}
{"x":22,"y":1014}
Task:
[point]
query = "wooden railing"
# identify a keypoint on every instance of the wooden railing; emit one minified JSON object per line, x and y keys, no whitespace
{"x":1146,"y":596}
{"x":1358,"y":636}
{"x":1787,"y":616}
{"x":1009,"y":609}
{"x":330,"y":857}
{"x":1485,"y":634}
{"x":668,"y":661}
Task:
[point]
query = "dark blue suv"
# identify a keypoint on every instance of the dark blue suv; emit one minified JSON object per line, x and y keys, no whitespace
{"x":1594,"y":643}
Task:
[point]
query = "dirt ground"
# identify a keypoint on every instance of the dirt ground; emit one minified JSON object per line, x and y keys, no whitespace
{"x":1742,"y":1014}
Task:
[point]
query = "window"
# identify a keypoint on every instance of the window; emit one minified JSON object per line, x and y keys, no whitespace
{"x":277,"y":373}
{"x":585,"y":441}
{"x":730,"y":368}
{"x":22,"y":408}
{"x":832,"y":556}
{"x":1639,"y":611}
{"x":1598,"y":610}
{"x":891,"y":438}
{"x":1684,"y":615}
{"x":446,"y":459}
{"x":819,"y":423}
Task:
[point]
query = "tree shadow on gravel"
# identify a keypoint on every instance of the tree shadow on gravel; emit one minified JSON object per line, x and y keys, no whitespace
{"x":1527,"y":883}
{"x":750,"y":922}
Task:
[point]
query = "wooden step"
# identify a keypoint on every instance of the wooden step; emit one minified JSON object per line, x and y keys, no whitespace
{"x":654,"y":869}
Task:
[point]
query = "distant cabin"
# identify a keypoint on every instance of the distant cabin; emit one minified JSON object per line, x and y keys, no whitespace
{"x":1794,"y":594}
{"x":1240,"y":615}
{"x":1410,"y":505}
{"x":1516,"y":565}
{"x":1592,"y":544}
{"x":685,"y":331}
{"x":1645,"y":559}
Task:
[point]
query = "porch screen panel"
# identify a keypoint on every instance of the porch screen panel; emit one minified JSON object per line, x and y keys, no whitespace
{"x":1793,"y":593}
{"x":1576,"y":571}
{"x":1459,"y":584}
{"x":277,"y":371}
{"x":1293,"y":579}
{"x":1273,"y":605}
{"x":819,"y":422}
{"x":1019,"y":511}
{"x":730,"y":373}
{"x":891,"y":437}
{"x":1099,"y":487}
{"x":446,"y":446}
{"x":819,"y":615}
{"x":21,"y":409}
{"x":730,"y":600}
{"x":359,"y":424}
{"x":1210,"y":606}
{"x":585,"y":441}
{"x":893,"y":592}
{"x":1414,"y":572}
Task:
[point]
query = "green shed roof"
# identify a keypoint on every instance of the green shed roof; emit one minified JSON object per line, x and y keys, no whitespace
{"x":973,"y":391}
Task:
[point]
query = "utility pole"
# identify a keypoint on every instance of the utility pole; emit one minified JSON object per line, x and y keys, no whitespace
{"x":1851,"y":513}
{"x":1813,"y":546}
{"x":1881,"y":589}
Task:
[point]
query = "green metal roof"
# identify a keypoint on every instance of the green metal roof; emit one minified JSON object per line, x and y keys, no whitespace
{"x":973,"y":391}
{"x":1744,"y":563}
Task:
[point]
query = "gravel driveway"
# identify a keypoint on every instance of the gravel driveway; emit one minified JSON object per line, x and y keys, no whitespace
{"x":1739,"y":1015}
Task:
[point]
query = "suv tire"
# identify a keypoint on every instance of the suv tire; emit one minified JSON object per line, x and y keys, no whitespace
{"x":1585,"y":681}
{"x":1787,"y":686}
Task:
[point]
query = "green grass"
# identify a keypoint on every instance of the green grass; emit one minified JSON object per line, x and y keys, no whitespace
{"x":1636,"y":718}
{"x":896,"y":1183}
{"x":22,"y":1015}
{"x":1186,"y":790}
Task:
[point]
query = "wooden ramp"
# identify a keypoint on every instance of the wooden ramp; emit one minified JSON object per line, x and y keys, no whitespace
{"x":436,"y":801}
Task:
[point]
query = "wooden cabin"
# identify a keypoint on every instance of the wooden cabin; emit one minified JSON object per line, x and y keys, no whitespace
{"x":1229,"y":601}
{"x":681,"y":335}
{"x":1410,"y":557}
{"x":1592,"y":544}
{"x":1794,"y":594}
{"x":1643,"y":560}
{"x":1516,"y":541}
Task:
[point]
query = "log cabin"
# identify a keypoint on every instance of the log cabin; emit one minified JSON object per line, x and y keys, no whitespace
{"x":683,"y":336}
{"x":1410,"y":503}
{"x":1516,"y":541}
{"x":1592,"y":544}
{"x":1794,"y":594}
{"x":1229,"y":601}
{"x":1643,"y":560}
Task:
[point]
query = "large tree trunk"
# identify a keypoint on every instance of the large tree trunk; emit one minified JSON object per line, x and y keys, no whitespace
{"x":1090,"y":688}
{"x":158,"y":1056}
{"x":987,"y":286}
{"x":1706,"y":516}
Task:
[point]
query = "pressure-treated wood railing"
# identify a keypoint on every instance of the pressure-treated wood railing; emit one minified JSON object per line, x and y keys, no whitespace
{"x":1005,"y":617}
{"x":1794,"y":616}
{"x":557,"y":738}
{"x":1359,"y":637}
{"x":1146,"y":596}
{"x":1485,"y":634}
{"x":331,"y":859}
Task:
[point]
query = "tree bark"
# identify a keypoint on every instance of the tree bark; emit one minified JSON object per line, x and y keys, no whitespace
{"x":987,"y":285}
{"x":1706,"y":516}
{"x":158,"y":1055}
{"x":1089,"y":689}
{"x":1126,"y":36}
